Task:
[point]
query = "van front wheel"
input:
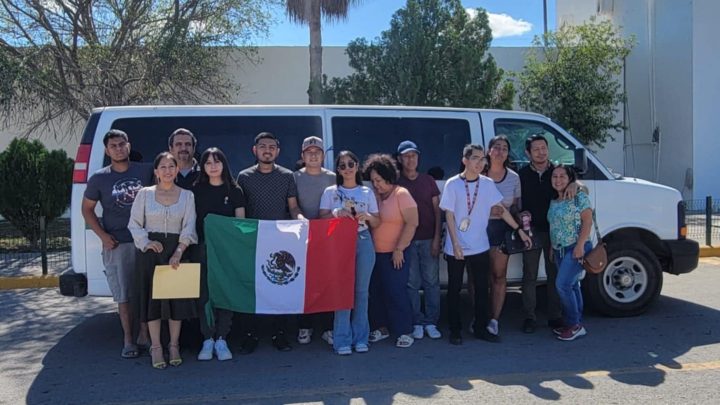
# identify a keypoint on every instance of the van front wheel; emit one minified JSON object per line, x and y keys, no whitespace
{"x":630,"y":283}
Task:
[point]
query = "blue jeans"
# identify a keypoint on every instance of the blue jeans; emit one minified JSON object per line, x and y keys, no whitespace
{"x":567,"y":283}
{"x":424,"y":273}
{"x":351,"y":327}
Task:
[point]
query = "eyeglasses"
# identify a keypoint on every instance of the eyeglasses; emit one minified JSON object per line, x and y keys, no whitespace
{"x":350,"y":165}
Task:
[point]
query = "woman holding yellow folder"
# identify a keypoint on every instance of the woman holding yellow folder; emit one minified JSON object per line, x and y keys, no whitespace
{"x":162,"y":223}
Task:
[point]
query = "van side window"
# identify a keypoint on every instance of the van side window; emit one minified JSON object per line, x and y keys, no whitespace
{"x":440,"y":140}
{"x":517,"y":131}
{"x":233,"y":134}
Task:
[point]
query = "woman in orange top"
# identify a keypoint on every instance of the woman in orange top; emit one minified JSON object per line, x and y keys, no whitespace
{"x":390,"y":308}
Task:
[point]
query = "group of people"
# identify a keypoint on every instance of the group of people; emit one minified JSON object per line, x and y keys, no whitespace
{"x":155,"y":217}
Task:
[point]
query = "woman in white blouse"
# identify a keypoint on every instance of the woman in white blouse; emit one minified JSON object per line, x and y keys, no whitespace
{"x":162,"y":223}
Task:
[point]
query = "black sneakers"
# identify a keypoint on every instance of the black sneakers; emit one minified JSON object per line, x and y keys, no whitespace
{"x":529,"y":325}
{"x":281,"y":343}
{"x":248,"y":344}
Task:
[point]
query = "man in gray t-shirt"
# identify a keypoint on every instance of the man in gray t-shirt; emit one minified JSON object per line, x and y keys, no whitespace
{"x":271,"y":194}
{"x":312,"y":180}
{"x":115,"y":187}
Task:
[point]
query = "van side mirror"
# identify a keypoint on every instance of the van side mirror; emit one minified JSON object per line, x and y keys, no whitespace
{"x":581,"y":164}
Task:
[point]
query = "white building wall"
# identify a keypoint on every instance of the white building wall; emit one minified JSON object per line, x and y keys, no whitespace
{"x":659,"y":84}
{"x":281,"y":77}
{"x":706,"y":98}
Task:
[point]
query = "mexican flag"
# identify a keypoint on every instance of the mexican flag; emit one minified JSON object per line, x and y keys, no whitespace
{"x":280,"y":267}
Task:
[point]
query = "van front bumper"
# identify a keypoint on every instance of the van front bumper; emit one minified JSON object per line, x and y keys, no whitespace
{"x":684,"y":255}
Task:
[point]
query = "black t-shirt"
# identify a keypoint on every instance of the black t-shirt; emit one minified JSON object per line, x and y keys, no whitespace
{"x":267,"y":193}
{"x":537,"y":192}
{"x":220,"y":200}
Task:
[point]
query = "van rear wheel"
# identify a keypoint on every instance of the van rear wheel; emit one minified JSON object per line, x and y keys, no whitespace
{"x":630,"y":283}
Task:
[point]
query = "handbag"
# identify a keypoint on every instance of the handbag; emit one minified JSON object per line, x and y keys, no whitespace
{"x":596,"y":259}
{"x":514,"y":244}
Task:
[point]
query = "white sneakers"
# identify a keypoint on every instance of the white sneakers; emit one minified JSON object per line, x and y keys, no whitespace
{"x":206,"y":353}
{"x":221,"y":350}
{"x":218,"y":347}
{"x":327,"y":336}
{"x":418,"y":332}
{"x":492,"y":327}
{"x":304,"y":336}
{"x":432,"y":332}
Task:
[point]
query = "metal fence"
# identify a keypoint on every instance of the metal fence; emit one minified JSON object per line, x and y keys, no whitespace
{"x":50,"y":254}
{"x":703,"y":220}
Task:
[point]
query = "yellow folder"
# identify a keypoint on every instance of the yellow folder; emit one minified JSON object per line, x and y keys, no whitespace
{"x":184,"y":282}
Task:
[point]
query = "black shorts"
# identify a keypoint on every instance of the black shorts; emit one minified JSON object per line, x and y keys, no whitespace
{"x":496,"y":230}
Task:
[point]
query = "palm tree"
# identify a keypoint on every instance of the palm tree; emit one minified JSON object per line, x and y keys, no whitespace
{"x":310,"y":13}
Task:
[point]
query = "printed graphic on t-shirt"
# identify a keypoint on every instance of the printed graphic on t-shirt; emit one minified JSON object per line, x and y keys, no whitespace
{"x":349,"y":202}
{"x":125,"y":190}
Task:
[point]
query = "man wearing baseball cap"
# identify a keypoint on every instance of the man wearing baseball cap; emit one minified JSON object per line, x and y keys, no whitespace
{"x":425,"y":247}
{"x":312,"y":180}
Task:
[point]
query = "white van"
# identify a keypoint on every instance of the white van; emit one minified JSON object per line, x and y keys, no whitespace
{"x":642,"y":223}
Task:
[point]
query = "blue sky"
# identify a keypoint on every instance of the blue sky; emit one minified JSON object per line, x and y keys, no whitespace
{"x":514,"y":23}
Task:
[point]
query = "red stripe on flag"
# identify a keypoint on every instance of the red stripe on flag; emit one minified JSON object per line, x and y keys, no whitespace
{"x":330,"y":266}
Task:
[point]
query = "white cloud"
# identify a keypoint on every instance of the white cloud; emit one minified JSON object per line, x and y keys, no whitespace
{"x":503,"y":25}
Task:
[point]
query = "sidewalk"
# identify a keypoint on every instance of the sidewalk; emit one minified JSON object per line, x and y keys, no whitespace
{"x":21,"y":273}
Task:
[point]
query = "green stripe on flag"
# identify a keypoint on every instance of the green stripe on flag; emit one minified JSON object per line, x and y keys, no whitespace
{"x":231,"y":245}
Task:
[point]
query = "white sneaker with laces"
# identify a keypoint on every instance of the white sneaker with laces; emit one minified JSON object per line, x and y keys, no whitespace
{"x":304,"y":336}
{"x":327,"y":336}
{"x":418,"y":332}
{"x":432,"y":332}
{"x":206,"y":353}
{"x":492,"y":327}
{"x":221,"y":350}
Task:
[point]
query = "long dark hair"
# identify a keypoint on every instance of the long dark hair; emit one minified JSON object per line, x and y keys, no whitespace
{"x":354,"y":158}
{"x":160,"y":156}
{"x":218,"y":155}
{"x":493,"y":141}
{"x":570,"y":173}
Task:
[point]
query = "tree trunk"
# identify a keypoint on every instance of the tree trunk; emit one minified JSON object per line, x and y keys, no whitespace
{"x":315,"y":90}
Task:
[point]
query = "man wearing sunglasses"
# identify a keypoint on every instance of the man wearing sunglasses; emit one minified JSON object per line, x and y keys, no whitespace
{"x":311,"y":181}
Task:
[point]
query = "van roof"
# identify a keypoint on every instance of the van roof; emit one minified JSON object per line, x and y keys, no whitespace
{"x":305,"y":107}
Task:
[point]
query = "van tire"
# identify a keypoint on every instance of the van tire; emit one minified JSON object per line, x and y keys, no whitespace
{"x":630,"y":283}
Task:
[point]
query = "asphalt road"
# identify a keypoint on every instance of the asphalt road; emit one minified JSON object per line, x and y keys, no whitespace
{"x":60,"y":350}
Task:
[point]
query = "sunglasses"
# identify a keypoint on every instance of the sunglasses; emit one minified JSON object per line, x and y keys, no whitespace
{"x":350,"y":165}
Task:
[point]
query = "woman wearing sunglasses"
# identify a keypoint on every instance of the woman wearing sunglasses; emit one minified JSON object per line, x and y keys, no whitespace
{"x":350,"y":199}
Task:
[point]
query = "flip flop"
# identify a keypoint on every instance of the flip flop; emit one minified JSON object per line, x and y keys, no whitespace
{"x":130,"y":351}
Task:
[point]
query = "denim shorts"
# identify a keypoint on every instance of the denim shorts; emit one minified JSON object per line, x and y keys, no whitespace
{"x":496,"y":230}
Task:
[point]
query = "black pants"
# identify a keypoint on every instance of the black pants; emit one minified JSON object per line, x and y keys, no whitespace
{"x":250,"y":323}
{"x":322,"y":319}
{"x":223,"y":317}
{"x":479,"y":266}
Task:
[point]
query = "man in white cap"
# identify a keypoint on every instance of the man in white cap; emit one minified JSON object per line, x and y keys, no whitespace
{"x":425,"y":247}
{"x":311,"y":181}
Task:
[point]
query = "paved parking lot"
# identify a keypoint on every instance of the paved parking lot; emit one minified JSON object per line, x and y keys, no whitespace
{"x":59,"y":350}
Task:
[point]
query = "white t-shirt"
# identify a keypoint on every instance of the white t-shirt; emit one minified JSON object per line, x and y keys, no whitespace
{"x":454,"y":199}
{"x":360,"y":197}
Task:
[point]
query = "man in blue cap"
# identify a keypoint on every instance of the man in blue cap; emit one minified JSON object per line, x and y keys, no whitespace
{"x":425,"y":247}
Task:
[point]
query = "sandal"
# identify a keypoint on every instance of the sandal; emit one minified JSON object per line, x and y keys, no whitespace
{"x":377,"y":335}
{"x":404,"y":341}
{"x":157,"y":357}
{"x":129,"y":351}
{"x":174,"y":353}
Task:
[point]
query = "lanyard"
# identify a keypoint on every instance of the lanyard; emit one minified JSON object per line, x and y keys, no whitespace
{"x":470,"y":206}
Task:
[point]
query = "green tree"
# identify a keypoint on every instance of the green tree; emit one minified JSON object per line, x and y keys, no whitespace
{"x":574,"y":78}
{"x":36,"y":183}
{"x":434,"y":54}
{"x":310,"y":13}
{"x":60,"y":59}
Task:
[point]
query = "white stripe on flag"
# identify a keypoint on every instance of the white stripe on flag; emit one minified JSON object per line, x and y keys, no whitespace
{"x":280,"y":289}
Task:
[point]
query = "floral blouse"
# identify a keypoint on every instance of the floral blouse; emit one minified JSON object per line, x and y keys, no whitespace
{"x":564,"y":219}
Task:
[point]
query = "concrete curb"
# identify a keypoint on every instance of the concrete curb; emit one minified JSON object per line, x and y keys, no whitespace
{"x":9,"y":283}
{"x":708,"y":251}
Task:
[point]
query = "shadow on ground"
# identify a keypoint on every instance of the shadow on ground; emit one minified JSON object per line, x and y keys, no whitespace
{"x":85,"y":367}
